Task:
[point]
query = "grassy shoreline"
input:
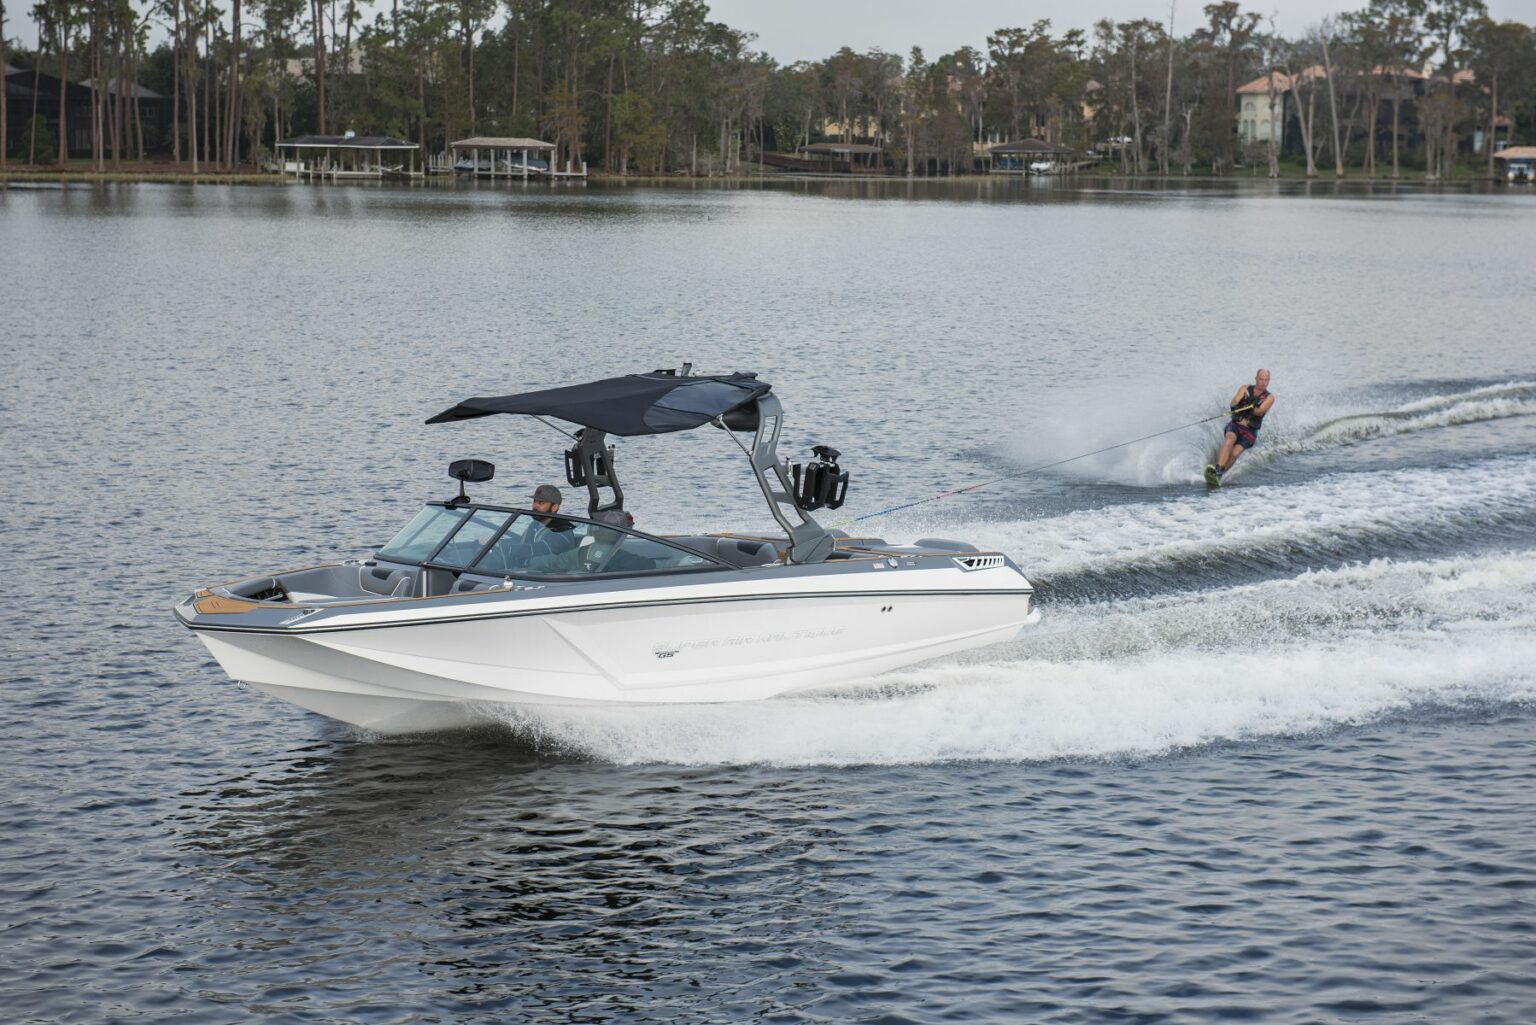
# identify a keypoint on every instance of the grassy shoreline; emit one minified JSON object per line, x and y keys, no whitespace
{"x":33,"y":176}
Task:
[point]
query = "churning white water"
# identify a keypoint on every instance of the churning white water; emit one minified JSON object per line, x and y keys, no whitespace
{"x":1148,"y":646}
{"x":1134,"y":678}
{"x":1302,"y":421}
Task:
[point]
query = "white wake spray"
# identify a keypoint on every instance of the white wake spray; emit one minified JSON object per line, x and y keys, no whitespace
{"x":1313,"y":649}
{"x":1133,"y":679}
{"x":1478,"y":406}
{"x":1300,"y":525}
{"x":1299,"y":424}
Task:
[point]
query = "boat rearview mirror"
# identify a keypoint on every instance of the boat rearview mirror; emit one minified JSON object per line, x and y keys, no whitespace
{"x":472,"y":471}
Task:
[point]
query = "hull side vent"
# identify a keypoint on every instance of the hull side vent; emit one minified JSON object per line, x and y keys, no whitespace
{"x":974,"y":562}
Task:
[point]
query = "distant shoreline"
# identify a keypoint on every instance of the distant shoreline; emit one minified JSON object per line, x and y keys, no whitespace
{"x":44,"y":175}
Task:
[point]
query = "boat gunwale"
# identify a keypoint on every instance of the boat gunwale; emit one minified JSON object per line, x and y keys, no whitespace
{"x":864,"y":555}
{"x":289,"y":628}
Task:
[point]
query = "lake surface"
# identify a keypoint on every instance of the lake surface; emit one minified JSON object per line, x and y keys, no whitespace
{"x":1270,"y":757}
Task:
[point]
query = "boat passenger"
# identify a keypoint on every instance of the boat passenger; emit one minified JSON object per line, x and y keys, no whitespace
{"x":614,"y":518}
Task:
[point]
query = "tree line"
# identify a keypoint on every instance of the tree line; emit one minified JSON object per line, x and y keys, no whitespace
{"x":656,"y":86}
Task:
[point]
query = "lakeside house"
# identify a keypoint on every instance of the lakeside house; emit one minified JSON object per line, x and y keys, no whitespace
{"x":30,"y":92}
{"x":1260,"y":116}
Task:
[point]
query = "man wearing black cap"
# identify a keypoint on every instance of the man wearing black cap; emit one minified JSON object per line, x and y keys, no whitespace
{"x":551,"y":541}
{"x":546,"y":499}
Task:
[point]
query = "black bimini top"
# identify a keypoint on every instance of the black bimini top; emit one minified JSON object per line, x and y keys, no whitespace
{"x":654,"y":403}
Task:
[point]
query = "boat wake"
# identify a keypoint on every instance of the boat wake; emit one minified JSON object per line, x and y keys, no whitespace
{"x":1138,"y":678}
{"x":1191,"y":620}
{"x":1185,"y":541}
{"x":1299,"y":426}
{"x":1477,"y":405}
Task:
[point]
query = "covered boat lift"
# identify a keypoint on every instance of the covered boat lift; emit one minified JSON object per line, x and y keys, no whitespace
{"x":509,"y":157}
{"x":1028,"y":156}
{"x":842,"y":158}
{"x":346,"y":157}
{"x":1519,"y":164}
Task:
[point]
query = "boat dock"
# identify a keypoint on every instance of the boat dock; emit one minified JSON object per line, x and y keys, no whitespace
{"x":353,"y":157}
{"x":1029,"y":156}
{"x":348,"y":157}
{"x":505,"y":157}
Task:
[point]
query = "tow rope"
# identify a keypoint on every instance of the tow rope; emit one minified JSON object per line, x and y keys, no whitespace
{"x":1043,"y":466}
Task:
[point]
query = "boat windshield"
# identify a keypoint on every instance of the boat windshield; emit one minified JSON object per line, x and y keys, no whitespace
{"x":549,"y":546}
{"x":423,"y":534}
{"x":503,"y":542}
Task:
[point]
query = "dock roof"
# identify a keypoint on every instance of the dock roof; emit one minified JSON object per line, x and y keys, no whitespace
{"x":1516,"y":153}
{"x":1027,"y":146}
{"x":345,"y":142}
{"x":841,"y":148}
{"x":500,"y":142}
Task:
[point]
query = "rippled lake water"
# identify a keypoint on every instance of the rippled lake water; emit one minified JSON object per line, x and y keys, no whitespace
{"x":1271,"y":756}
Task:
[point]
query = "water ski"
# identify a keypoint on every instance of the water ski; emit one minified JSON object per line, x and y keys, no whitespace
{"x":1212,"y":478}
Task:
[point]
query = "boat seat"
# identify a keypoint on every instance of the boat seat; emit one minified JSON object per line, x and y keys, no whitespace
{"x":384,"y":580}
{"x":737,"y":551}
{"x":748,"y":553}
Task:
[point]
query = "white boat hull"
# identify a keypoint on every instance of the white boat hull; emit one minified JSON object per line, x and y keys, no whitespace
{"x":426,"y":675}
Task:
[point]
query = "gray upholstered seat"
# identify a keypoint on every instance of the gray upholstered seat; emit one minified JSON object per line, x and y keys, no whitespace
{"x":734,"y":550}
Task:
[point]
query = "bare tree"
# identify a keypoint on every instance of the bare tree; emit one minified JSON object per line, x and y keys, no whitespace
{"x":317,"y":23}
{"x":1133,"y":37}
{"x":1276,"y":96}
{"x":64,"y":23}
{"x":1399,"y":33}
{"x":4,"y":134}
{"x":1325,"y":33}
{"x":232,"y":99}
{"x":1303,"y":85}
{"x":912,"y":103}
{"x":1447,"y":22}
{"x":1162,"y":150}
{"x":846,"y":80}
{"x":189,"y":73}
{"x":93,"y":54}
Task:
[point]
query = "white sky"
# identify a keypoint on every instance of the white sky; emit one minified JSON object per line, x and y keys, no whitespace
{"x":792,"y":30}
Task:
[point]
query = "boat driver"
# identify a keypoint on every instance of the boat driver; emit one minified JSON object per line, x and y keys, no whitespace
{"x":552,"y":539}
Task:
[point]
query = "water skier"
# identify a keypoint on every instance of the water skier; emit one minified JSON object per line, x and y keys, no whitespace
{"x":1249,"y":407}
